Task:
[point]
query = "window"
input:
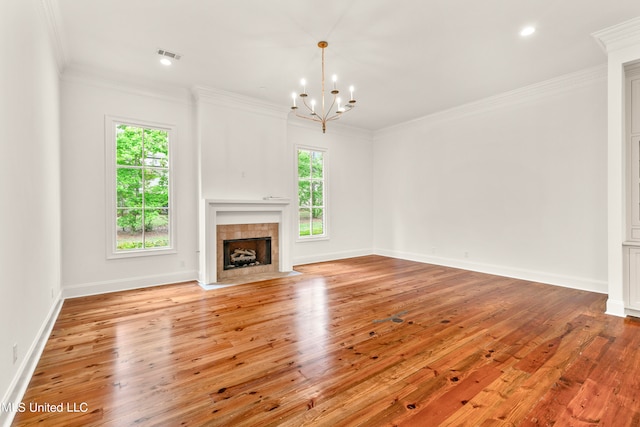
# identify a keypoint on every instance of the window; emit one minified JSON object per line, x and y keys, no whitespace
{"x":312,"y":210}
{"x":139,"y":172}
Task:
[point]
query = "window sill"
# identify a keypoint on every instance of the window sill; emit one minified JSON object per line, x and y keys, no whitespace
{"x":141,"y":253}
{"x":311,"y":239}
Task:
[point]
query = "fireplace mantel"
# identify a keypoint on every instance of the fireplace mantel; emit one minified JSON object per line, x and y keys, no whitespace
{"x":215,"y":212}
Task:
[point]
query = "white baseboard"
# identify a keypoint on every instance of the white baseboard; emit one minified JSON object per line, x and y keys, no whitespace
{"x":95,"y":288}
{"x":331,"y":256}
{"x":18,"y":386}
{"x":517,"y":273}
{"x":616,"y":308}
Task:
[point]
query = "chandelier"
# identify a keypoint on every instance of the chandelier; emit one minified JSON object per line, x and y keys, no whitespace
{"x":323,"y":114}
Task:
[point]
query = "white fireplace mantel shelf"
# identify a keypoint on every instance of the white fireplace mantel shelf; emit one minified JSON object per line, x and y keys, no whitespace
{"x":260,"y":202}
{"x":214,"y":212}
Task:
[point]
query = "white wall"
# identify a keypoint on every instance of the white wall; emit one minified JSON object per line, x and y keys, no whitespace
{"x":86,"y":99}
{"x":350,"y":191}
{"x":512,"y":185}
{"x":243,"y":147}
{"x":29,"y":190}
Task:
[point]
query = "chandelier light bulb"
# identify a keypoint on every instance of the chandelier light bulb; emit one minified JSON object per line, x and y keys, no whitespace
{"x":293,"y":97}
{"x":303,"y":83}
{"x":335,"y":90}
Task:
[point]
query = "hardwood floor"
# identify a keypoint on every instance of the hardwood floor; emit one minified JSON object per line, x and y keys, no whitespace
{"x":369,"y":341}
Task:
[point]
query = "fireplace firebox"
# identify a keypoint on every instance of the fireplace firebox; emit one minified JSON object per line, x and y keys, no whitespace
{"x":251,"y":252}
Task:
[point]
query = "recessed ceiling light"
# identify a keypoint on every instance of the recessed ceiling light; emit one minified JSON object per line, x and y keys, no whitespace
{"x":527,"y":31}
{"x":167,"y":57}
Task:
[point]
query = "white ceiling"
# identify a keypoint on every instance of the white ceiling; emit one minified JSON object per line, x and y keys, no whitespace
{"x":406,"y":58}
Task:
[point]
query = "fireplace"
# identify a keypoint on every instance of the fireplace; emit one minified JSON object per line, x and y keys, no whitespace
{"x":242,"y":253}
{"x":246,"y":249}
{"x":243,"y":219}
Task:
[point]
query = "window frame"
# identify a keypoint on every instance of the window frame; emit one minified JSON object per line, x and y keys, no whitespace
{"x":325,"y":194}
{"x":111,"y":122}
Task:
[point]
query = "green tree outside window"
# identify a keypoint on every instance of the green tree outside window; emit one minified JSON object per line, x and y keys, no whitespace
{"x":142,"y":188}
{"x":311,"y":194}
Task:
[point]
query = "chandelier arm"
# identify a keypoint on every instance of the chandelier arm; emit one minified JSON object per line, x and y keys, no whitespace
{"x":331,"y":107}
{"x":312,"y":118}
{"x":344,"y":111}
{"x":304,"y":101}
{"x":336,"y":116}
{"x":347,"y":110}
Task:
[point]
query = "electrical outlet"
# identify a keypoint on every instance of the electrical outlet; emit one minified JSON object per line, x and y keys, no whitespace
{"x":15,"y":353}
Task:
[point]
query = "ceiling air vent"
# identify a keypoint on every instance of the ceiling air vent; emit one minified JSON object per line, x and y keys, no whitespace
{"x":168,"y":54}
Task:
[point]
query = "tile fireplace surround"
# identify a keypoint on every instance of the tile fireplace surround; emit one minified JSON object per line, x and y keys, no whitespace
{"x":214,"y":213}
{"x":246,"y":231}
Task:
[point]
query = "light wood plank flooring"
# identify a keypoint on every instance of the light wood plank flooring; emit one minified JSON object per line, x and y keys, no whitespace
{"x":369,"y":341}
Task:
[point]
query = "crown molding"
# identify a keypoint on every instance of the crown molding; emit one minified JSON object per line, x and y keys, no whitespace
{"x":236,"y":101}
{"x":134,"y":86}
{"x":619,"y":36}
{"x":51,"y":16}
{"x":511,"y":98}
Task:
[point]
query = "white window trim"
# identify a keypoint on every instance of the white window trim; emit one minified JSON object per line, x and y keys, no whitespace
{"x":325,"y":157}
{"x":110,"y":187}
